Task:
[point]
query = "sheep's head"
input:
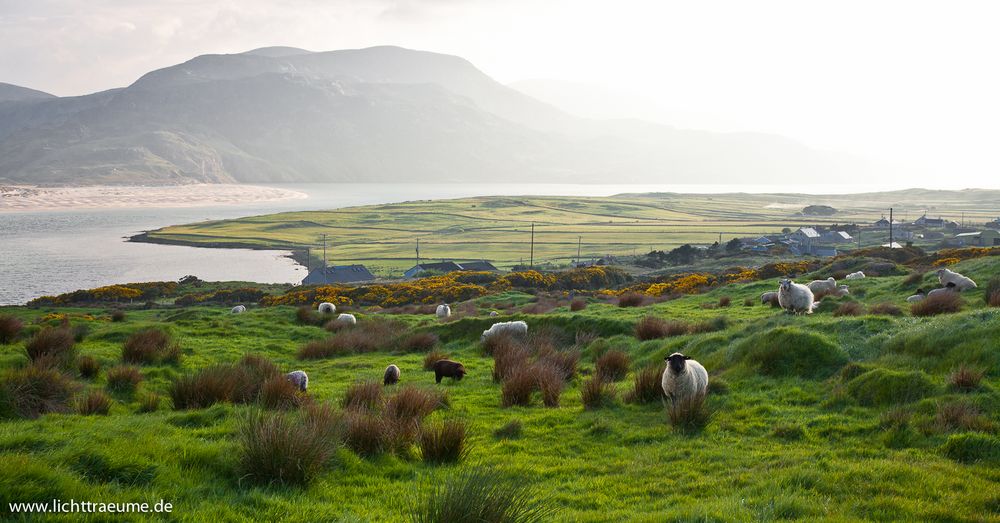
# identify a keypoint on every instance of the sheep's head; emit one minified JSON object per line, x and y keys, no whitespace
{"x":786,"y":285}
{"x":460,"y":372}
{"x":921,"y":291}
{"x":942,"y":272}
{"x":676,"y":362}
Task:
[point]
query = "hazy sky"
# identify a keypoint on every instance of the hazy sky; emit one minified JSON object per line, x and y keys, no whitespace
{"x":910,"y":82}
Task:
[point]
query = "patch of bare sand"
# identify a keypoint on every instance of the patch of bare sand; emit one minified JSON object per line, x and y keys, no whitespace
{"x":24,"y":198}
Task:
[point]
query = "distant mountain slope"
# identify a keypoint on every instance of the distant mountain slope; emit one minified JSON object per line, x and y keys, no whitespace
{"x":380,"y":114}
{"x":16,"y":93}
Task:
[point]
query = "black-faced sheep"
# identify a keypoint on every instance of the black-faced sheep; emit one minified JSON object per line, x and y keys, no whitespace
{"x":795,"y":297}
{"x":443,"y":311}
{"x":299,"y":379}
{"x":391,"y":376}
{"x":950,"y":287}
{"x":962,"y":283}
{"x":510,"y":327}
{"x":448,"y":369}
{"x":917,"y":296}
{"x":684,"y":378}
{"x":326,"y":308}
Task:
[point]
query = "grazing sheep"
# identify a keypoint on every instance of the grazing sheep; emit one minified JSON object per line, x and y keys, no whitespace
{"x":443,"y":311}
{"x":770,"y":297}
{"x":821,"y":288}
{"x":684,"y":378}
{"x":347,"y":319}
{"x":391,"y":376}
{"x":299,"y":379}
{"x":494,"y":314}
{"x":962,"y":283}
{"x":919,"y":296}
{"x":326,"y":308}
{"x":239,"y":309}
{"x":510,"y":327}
{"x":855,"y":275}
{"x":795,"y":297}
{"x":448,"y":369}
{"x":951,"y":287}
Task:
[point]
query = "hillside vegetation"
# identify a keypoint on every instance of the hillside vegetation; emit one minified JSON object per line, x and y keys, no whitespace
{"x":856,"y":412}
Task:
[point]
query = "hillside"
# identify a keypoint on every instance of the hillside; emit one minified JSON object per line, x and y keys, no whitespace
{"x":846,"y":417}
{"x":499,"y":228}
{"x":380,"y":114}
{"x":16,"y":93}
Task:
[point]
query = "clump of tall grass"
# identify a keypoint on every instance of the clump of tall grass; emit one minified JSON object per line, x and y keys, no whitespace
{"x":275,"y":448}
{"x":433,"y":357}
{"x":550,"y":380}
{"x":564,"y":360}
{"x":612,"y":365}
{"x":965,"y":378}
{"x":511,"y":430}
{"x":362,"y":338}
{"x":277,"y":393}
{"x":646,"y":387}
{"x":518,"y":387}
{"x":849,"y":308}
{"x":631,"y":299}
{"x":885,"y":309}
{"x":501,"y":341}
{"x":481,"y":494}
{"x":725,"y":301}
{"x":413,"y":403}
{"x":960,"y":415}
{"x":150,"y":346}
{"x":940,"y":303}
{"x":578,"y":304}
{"x":305,"y":315}
{"x":94,"y":402}
{"x":419,"y":342}
{"x":117,"y":315}
{"x":34,"y":390}
{"x":363,"y":395}
{"x":992,"y":292}
{"x":123,"y":378}
{"x":596,"y":393}
{"x":688,"y":414}
{"x":10,"y":328}
{"x":508,"y":359}
{"x":444,"y":442}
{"x":149,"y":402}
{"x":225,"y":382}
{"x":52,"y":346}
{"x":88,"y":366}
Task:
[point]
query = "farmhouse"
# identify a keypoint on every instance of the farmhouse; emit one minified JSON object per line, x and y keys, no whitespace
{"x":338,"y":274}
{"x":924,"y":221}
{"x":449,"y":266}
{"x":836,"y":237}
{"x":987,"y":238}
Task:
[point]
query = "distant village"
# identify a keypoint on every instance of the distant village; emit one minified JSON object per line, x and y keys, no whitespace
{"x":821,"y":241}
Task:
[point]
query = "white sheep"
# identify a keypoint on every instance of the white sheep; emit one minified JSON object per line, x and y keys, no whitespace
{"x":855,"y":275}
{"x":346,"y":319}
{"x":918,"y":296}
{"x":509,"y":327}
{"x":795,"y":297}
{"x":962,"y":283}
{"x":299,"y":378}
{"x":951,"y":287}
{"x":684,"y":379}
{"x":239,"y":309}
{"x":494,"y":314}
{"x":770,"y":298}
{"x":326,"y":308}
{"x":443,"y":311}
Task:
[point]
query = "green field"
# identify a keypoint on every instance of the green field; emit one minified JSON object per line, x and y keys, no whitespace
{"x":821,"y":441}
{"x":384,"y":237}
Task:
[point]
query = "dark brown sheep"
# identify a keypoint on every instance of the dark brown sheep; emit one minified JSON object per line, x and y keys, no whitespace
{"x":448,"y":369}
{"x":391,"y":376}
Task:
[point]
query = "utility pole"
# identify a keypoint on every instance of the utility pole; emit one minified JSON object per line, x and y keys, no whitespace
{"x":418,"y":251}
{"x":308,"y":265}
{"x":323,"y":266}
{"x":531,"y":263}
{"x":890,"y":227}
{"x":579,"y":240}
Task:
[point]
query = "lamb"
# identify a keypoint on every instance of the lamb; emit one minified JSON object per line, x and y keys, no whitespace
{"x":299,"y":379}
{"x":510,"y":327}
{"x":770,"y":297}
{"x":684,"y":379}
{"x":962,"y":283}
{"x":951,"y":287}
{"x":855,"y":275}
{"x":346,"y":319}
{"x":919,"y":296}
{"x":239,"y":309}
{"x":494,"y":314}
{"x":827,"y":287}
{"x":448,"y":369}
{"x":391,"y":376}
{"x":795,"y":297}
{"x":326,"y":308}
{"x":443,"y":311}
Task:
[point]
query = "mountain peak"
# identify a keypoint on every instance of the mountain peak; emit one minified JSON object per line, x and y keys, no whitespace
{"x":277,"y":51}
{"x":16,"y":93}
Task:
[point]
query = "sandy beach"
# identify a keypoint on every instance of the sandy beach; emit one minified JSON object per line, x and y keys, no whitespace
{"x":24,"y":198}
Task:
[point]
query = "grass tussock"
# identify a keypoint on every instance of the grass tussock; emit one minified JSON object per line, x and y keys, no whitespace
{"x":118,"y":316}
{"x":965,"y":378}
{"x":991,"y":293}
{"x":849,"y":308}
{"x":511,"y":430}
{"x":123,"y":378}
{"x":150,"y":346}
{"x":566,"y":361}
{"x":689,"y":414}
{"x":444,"y":442}
{"x":550,"y":379}
{"x":225,"y":382}
{"x":433,"y":357}
{"x":913,"y":279}
{"x":725,"y":301}
{"x":577,"y":305}
{"x":95,"y":402}
{"x":646,"y":386}
{"x":973,"y":448}
{"x":88,"y":366}
{"x":960,"y":416}
{"x":653,"y":328}
{"x":508,"y":359}
{"x":365,"y":337}
{"x":631,"y":299}
{"x":277,"y":393}
{"x":518,"y":387}
{"x":885,"y":309}
{"x":364,"y":395}
{"x":887,"y":387}
{"x":613,"y":365}
{"x":481,"y":494}
{"x":413,"y":403}
{"x":789,"y":351}
{"x":275,"y":448}
{"x":10,"y":328}
{"x":149,"y":402}
{"x":596,"y":393}
{"x":305,"y":315}
{"x":419,"y":342}
{"x":940,"y":303}
{"x":365,"y":433}
{"x":32,"y":391}
{"x":501,"y":341}
{"x":52,"y":346}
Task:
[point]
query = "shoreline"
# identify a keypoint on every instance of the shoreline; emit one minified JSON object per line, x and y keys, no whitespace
{"x":23,"y":198}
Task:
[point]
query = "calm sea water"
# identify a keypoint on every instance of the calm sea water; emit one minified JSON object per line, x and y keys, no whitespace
{"x":46,"y":253}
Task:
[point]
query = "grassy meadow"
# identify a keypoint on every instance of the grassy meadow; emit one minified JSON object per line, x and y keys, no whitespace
{"x":831,"y":416}
{"x":384,"y":237}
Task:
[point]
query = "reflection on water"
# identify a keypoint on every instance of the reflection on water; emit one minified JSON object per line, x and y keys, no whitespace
{"x":44,"y":253}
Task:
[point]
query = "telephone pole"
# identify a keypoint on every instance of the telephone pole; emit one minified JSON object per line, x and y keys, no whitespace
{"x":890,"y":227}
{"x":531,"y":263}
{"x":418,"y":251}
{"x":579,"y":240}
{"x":324,"y":250}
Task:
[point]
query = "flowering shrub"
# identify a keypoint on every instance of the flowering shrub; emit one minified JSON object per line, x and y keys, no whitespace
{"x":226,"y":296}
{"x":677,"y":284}
{"x":945,"y":261}
{"x":110,"y":293}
